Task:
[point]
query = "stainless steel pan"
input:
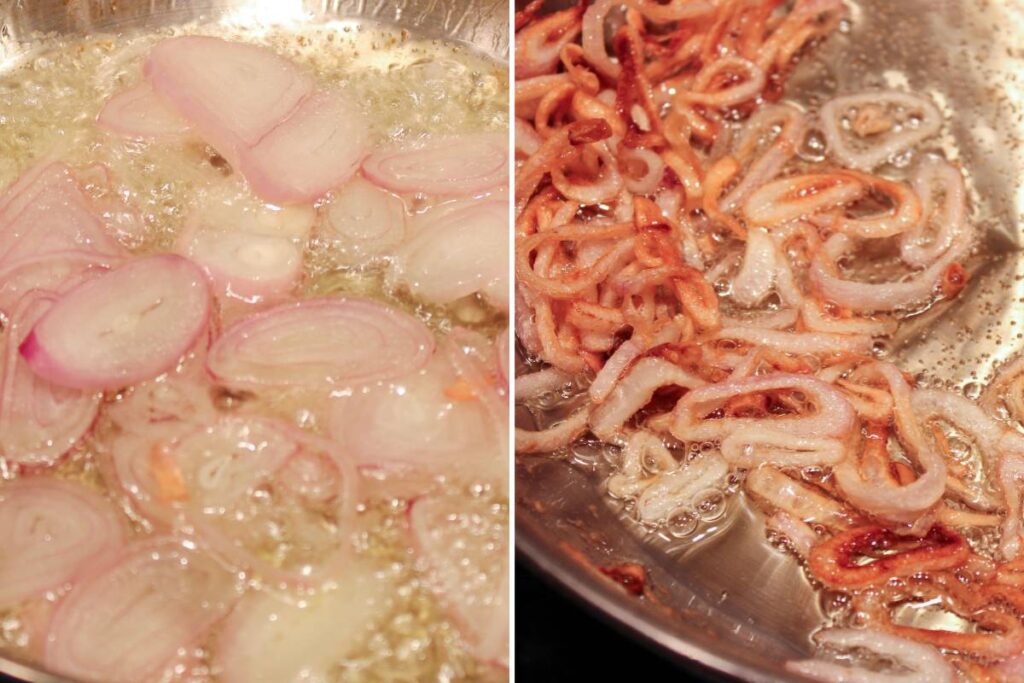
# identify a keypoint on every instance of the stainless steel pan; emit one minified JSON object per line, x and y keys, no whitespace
{"x":732,"y":603}
{"x":481,"y":23}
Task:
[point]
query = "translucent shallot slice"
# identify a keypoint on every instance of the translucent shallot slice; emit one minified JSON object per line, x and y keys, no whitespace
{"x":127,"y":325}
{"x":757,"y":274}
{"x":56,"y":272}
{"x":801,"y":196}
{"x":680,"y":489}
{"x":866,"y":130}
{"x":46,"y":212}
{"x":833,"y":416}
{"x":426,"y":419}
{"x":974,"y":423}
{"x":250,"y":267}
{"x":363,"y":222}
{"x":462,"y":165}
{"x":797,"y":499}
{"x":39,"y":422}
{"x":268,"y":639}
{"x":798,"y":342}
{"x":940,"y":187}
{"x":51,"y":530}
{"x":244,"y":483}
{"x":750,"y":447}
{"x":791,"y":124}
{"x":132,"y":614}
{"x":634,"y":391}
{"x":456,"y":251}
{"x":463,"y":544}
{"x":918,"y":662}
{"x":869,"y":297}
{"x":317,"y":148}
{"x":1010,"y":472}
{"x":333,"y":342}
{"x":881,"y":496}
{"x":233,"y":93}
{"x":138,"y":113}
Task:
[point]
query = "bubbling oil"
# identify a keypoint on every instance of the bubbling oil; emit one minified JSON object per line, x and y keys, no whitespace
{"x":407,"y":88}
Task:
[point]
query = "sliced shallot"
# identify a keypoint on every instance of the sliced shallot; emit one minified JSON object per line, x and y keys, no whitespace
{"x":51,"y":530}
{"x":917,"y":662}
{"x":426,"y":419}
{"x":131,"y":615}
{"x":317,"y":148}
{"x":241,"y":483}
{"x":364,"y":222}
{"x":833,"y":415}
{"x":268,"y":639}
{"x":139,"y":113}
{"x":332,"y":342}
{"x":233,"y":93}
{"x":456,"y":251}
{"x":460,"y":538}
{"x":46,"y":212}
{"x":866,"y":130}
{"x":461,"y":165}
{"x":39,"y":422}
{"x":122,"y":327}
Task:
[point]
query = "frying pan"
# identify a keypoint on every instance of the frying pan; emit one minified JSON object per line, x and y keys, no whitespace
{"x":480,"y":23}
{"x":730,"y":602}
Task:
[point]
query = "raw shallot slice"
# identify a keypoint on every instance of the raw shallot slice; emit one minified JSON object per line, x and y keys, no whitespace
{"x":427,"y":419}
{"x":460,"y":165}
{"x":267,"y":639}
{"x":317,"y":148}
{"x":918,"y":662}
{"x":868,"y":129}
{"x":461,"y":250}
{"x":335,"y":342}
{"x":122,"y":327}
{"x":363,"y":222}
{"x":130,"y":617}
{"x":39,"y":422}
{"x":245,"y":266}
{"x":56,"y":272}
{"x":45,"y":212}
{"x":50,"y":530}
{"x":463,"y":543}
{"x":138,"y":113}
{"x":233,"y":93}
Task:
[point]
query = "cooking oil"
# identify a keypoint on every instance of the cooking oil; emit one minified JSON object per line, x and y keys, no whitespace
{"x":407,"y":88}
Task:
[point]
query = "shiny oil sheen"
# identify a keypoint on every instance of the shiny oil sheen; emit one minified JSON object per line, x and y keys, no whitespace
{"x":724,"y":597}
